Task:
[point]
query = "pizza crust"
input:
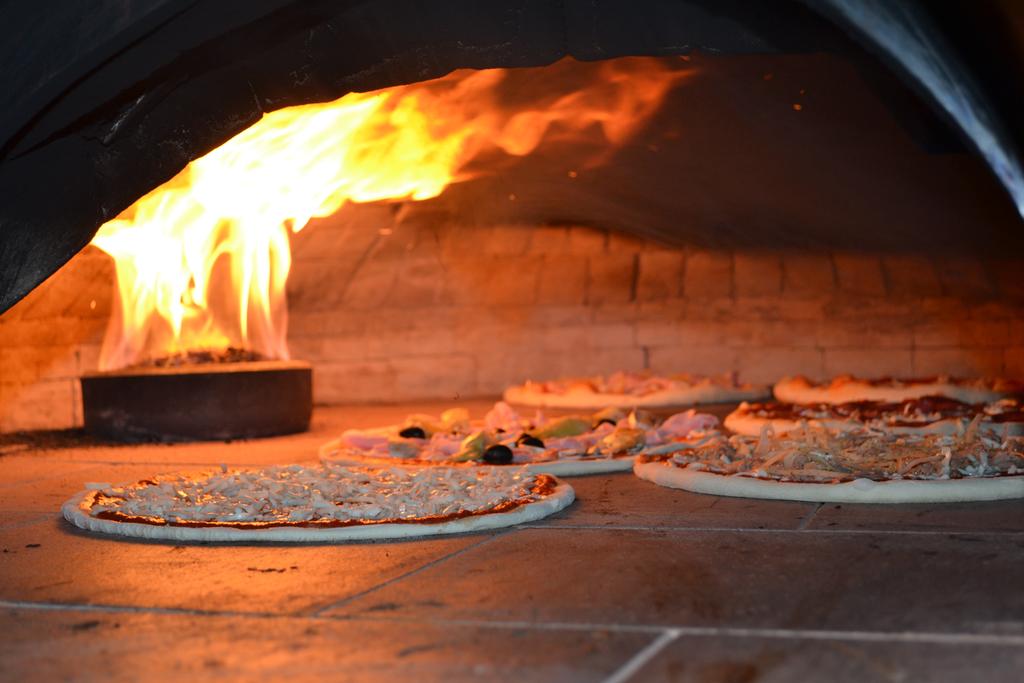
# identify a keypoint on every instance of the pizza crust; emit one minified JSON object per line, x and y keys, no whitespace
{"x":331,"y":453}
{"x":581,"y":467}
{"x":751,"y":425}
{"x":557,"y":500}
{"x":857,"y":491}
{"x":590,"y":400}
{"x":801,"y":390}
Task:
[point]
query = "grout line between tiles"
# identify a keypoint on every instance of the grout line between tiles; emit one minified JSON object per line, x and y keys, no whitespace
{"x":318,"y":611}
{"x":703,"y":529}
{"x":167,"y":463}
{"x":930,"y":637}
{"x":47,"y":513}
{"x":130,"y":609}
{"x":35,"y":517}
{"x":637,"y":662}
{"x":952,"y":638}
{"x":861,"y":636}
{"x":805,"y":522}
{"x":516,"y":625}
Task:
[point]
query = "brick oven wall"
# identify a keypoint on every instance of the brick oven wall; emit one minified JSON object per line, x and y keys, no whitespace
{"x":390,"y":305}
{"x":48,"y":339}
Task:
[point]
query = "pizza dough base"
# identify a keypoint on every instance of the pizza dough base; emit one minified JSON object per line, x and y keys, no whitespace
{"x":576,"y":468}
{"x":562,"y":468}
{"x":857,"y":491}
{"x":799,"y":390}
{"x":751,"y":425}
{"x":559,"y":499}
{"x":589,"y":400}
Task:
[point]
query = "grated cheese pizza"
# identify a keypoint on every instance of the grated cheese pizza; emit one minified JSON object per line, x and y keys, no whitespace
{"x":318,"y":504}
{"x":860,"y":466}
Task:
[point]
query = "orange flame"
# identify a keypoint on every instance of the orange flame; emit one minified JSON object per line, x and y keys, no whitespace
{"x":202,"y":261}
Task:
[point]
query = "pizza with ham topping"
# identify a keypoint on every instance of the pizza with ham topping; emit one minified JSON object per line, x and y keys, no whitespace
{"x":604,"y":441}
{"x":926,"y":415}
{"x":815,"y":464}
{"x":320,"y":503}
{"x":633,"y":390}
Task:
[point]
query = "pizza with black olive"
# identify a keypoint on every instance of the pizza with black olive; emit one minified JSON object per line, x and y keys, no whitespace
{"x":605,"y":441}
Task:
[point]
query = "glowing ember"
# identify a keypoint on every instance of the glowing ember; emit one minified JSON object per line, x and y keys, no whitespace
{"x":202,"y":260}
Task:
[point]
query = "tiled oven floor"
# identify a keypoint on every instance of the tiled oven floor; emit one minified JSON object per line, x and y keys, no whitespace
{"x":632,"y":583}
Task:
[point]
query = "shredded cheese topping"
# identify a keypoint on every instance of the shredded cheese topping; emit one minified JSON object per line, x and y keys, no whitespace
{"x":817,"y":455}
{"x":928,"y":414}
{"x":296,"y":494}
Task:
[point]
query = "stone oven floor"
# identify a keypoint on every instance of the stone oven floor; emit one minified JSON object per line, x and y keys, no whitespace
{"x":632,"y":583}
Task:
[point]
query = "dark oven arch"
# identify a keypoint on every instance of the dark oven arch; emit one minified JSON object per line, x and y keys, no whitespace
{"x":106,"y":101}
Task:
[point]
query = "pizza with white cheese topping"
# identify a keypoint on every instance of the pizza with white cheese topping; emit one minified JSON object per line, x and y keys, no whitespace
{"x":604,"y":441}
{"x":633,"y":390}
{"x":321,"y":503}
{"x":864,"y":466}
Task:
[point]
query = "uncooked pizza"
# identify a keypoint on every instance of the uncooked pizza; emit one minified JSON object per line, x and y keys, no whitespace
{"x":634,"y":390}
{"x":846,"y":389}
{"x":603,"y":441}
{"x":927,"y":415}
{"x":817,"y":465}
{"x":318,"y":504}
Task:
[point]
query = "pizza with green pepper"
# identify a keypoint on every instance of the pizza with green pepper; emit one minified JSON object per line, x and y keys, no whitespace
{"x":604,"y":441}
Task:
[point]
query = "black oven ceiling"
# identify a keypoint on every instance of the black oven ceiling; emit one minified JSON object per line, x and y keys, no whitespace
{"x":104,"y":101}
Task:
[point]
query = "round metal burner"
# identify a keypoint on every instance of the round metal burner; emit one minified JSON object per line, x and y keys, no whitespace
{"x":214,"y":401}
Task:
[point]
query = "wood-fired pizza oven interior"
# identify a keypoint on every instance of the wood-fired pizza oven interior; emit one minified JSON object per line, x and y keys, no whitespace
{"x":796,"y":203}
{"x":737,"y":188}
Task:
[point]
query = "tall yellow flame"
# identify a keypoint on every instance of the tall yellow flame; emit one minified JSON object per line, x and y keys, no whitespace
{"x":202,"y":261}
